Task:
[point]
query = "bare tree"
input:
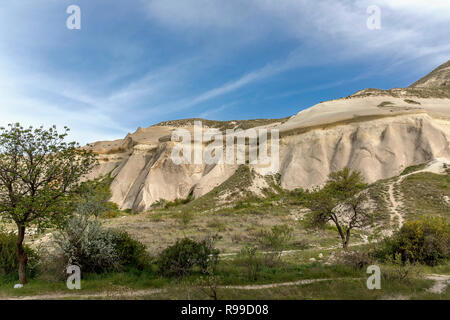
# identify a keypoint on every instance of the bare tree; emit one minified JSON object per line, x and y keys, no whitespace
{"x":343,"y":201}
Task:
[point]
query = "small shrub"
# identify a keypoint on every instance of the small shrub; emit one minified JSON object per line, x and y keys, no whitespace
{"x":217,"y":224}
{"x":399,"y":270}
{"x":159,"y":204}
{"x":83,"y":241}
{"x":177,"y":202}
{"x":276,"y":238}
{"x":181,"y":258}
{"x":251,"y":260}
{"x":111,"y":214}
{"x":411,"y":101}
{"x":423,"y":241}
{"x":8,"y":256}
{"x":209,"y":284}
{"x":185,"y":217}
{"x":131,"y":253}
{"x":356,"y":259}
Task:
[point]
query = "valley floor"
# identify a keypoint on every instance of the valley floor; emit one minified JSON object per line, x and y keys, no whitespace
{"x":307,"y":269}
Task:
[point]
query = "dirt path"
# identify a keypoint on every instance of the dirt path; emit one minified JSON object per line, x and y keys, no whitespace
{"x":396,"y":204}
{"x":104,"y":294}
{"x":284,"y":284}
{"x":137,"y":293}
{"x":435,"y":166}
{"x":441,"y":283}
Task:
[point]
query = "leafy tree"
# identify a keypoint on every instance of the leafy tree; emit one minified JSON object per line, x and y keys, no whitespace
{"x":39,"y":174}
{"x":94,"y":197}
{"x":341,"y":201}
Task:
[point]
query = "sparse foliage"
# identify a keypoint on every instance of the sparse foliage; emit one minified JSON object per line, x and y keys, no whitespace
{"x":341,"y":201}
{"x":275,"y":240}
{"x":209,"y":284}
{"x":185,"y":217}
{"x":252,"y":260}
{"x":400,"y":270}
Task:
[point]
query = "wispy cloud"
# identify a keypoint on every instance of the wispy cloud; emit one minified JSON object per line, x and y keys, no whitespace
{"x":129,"y":67}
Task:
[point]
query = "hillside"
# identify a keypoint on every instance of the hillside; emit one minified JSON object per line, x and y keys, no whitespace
{"x":379,"y":133}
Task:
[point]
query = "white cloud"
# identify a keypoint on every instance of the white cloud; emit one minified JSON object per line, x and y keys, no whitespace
{"x":336,"y":29}
{"x":325,"y":31}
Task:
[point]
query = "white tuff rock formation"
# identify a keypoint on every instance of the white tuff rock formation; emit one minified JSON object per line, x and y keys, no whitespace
{"x":377,"y":132}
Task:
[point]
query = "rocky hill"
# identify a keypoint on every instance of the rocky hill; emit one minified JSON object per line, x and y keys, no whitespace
{"x":379,"y":132}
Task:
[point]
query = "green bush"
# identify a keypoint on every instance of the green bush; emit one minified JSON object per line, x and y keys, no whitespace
{"x":426,"y":240}
{"x":82,"y":241}
{"x":181,"y":258}
{"x":250,"y":258}
{"x":185,"y":217}
{"x":8,"y":256}
{"x":131,"y":253}
{"x":398,"y":270}
{"x":111,"y":214}
{"x":276,"y":238}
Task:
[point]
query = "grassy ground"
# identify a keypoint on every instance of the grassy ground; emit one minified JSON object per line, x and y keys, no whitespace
{"x":423,"y":194}
{"x":346,"y":283}
{"x":240,"y":224}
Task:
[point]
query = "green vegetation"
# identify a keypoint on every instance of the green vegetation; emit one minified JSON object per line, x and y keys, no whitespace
{"x":411,"y":101}
{"x":8,"y":256}
{"x":234,"y":187}
{"x":425,"y":194}
{"x":223,"y":125}
{"x":181,"y":258}
{"x":425,"y":241}
{"x":342,"y":193}
{"x":385,"y":104}
{"x":131,"y":253}
{"x":40,"y":175}
{"x":264,"y":244}
{"x":414,"y":168}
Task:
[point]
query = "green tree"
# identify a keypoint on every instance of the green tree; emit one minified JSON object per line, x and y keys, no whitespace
{"x":94,"y":197}
{"x":341,"y":201}
{"x":39,"y":175}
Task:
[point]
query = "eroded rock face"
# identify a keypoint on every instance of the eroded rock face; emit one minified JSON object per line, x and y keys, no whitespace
{"x":376,"y":132}
{"x":379,"y":149}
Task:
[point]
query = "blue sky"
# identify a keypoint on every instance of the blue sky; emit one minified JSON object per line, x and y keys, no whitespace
{"x":138,"y":62}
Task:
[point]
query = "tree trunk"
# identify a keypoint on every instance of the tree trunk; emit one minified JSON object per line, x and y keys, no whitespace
{"x":347,"y":240}
{"x":341,"y":233}
{"x":22,"y":257}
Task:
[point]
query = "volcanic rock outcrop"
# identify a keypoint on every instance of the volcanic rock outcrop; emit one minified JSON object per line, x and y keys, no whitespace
{"x":378,"y":132}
